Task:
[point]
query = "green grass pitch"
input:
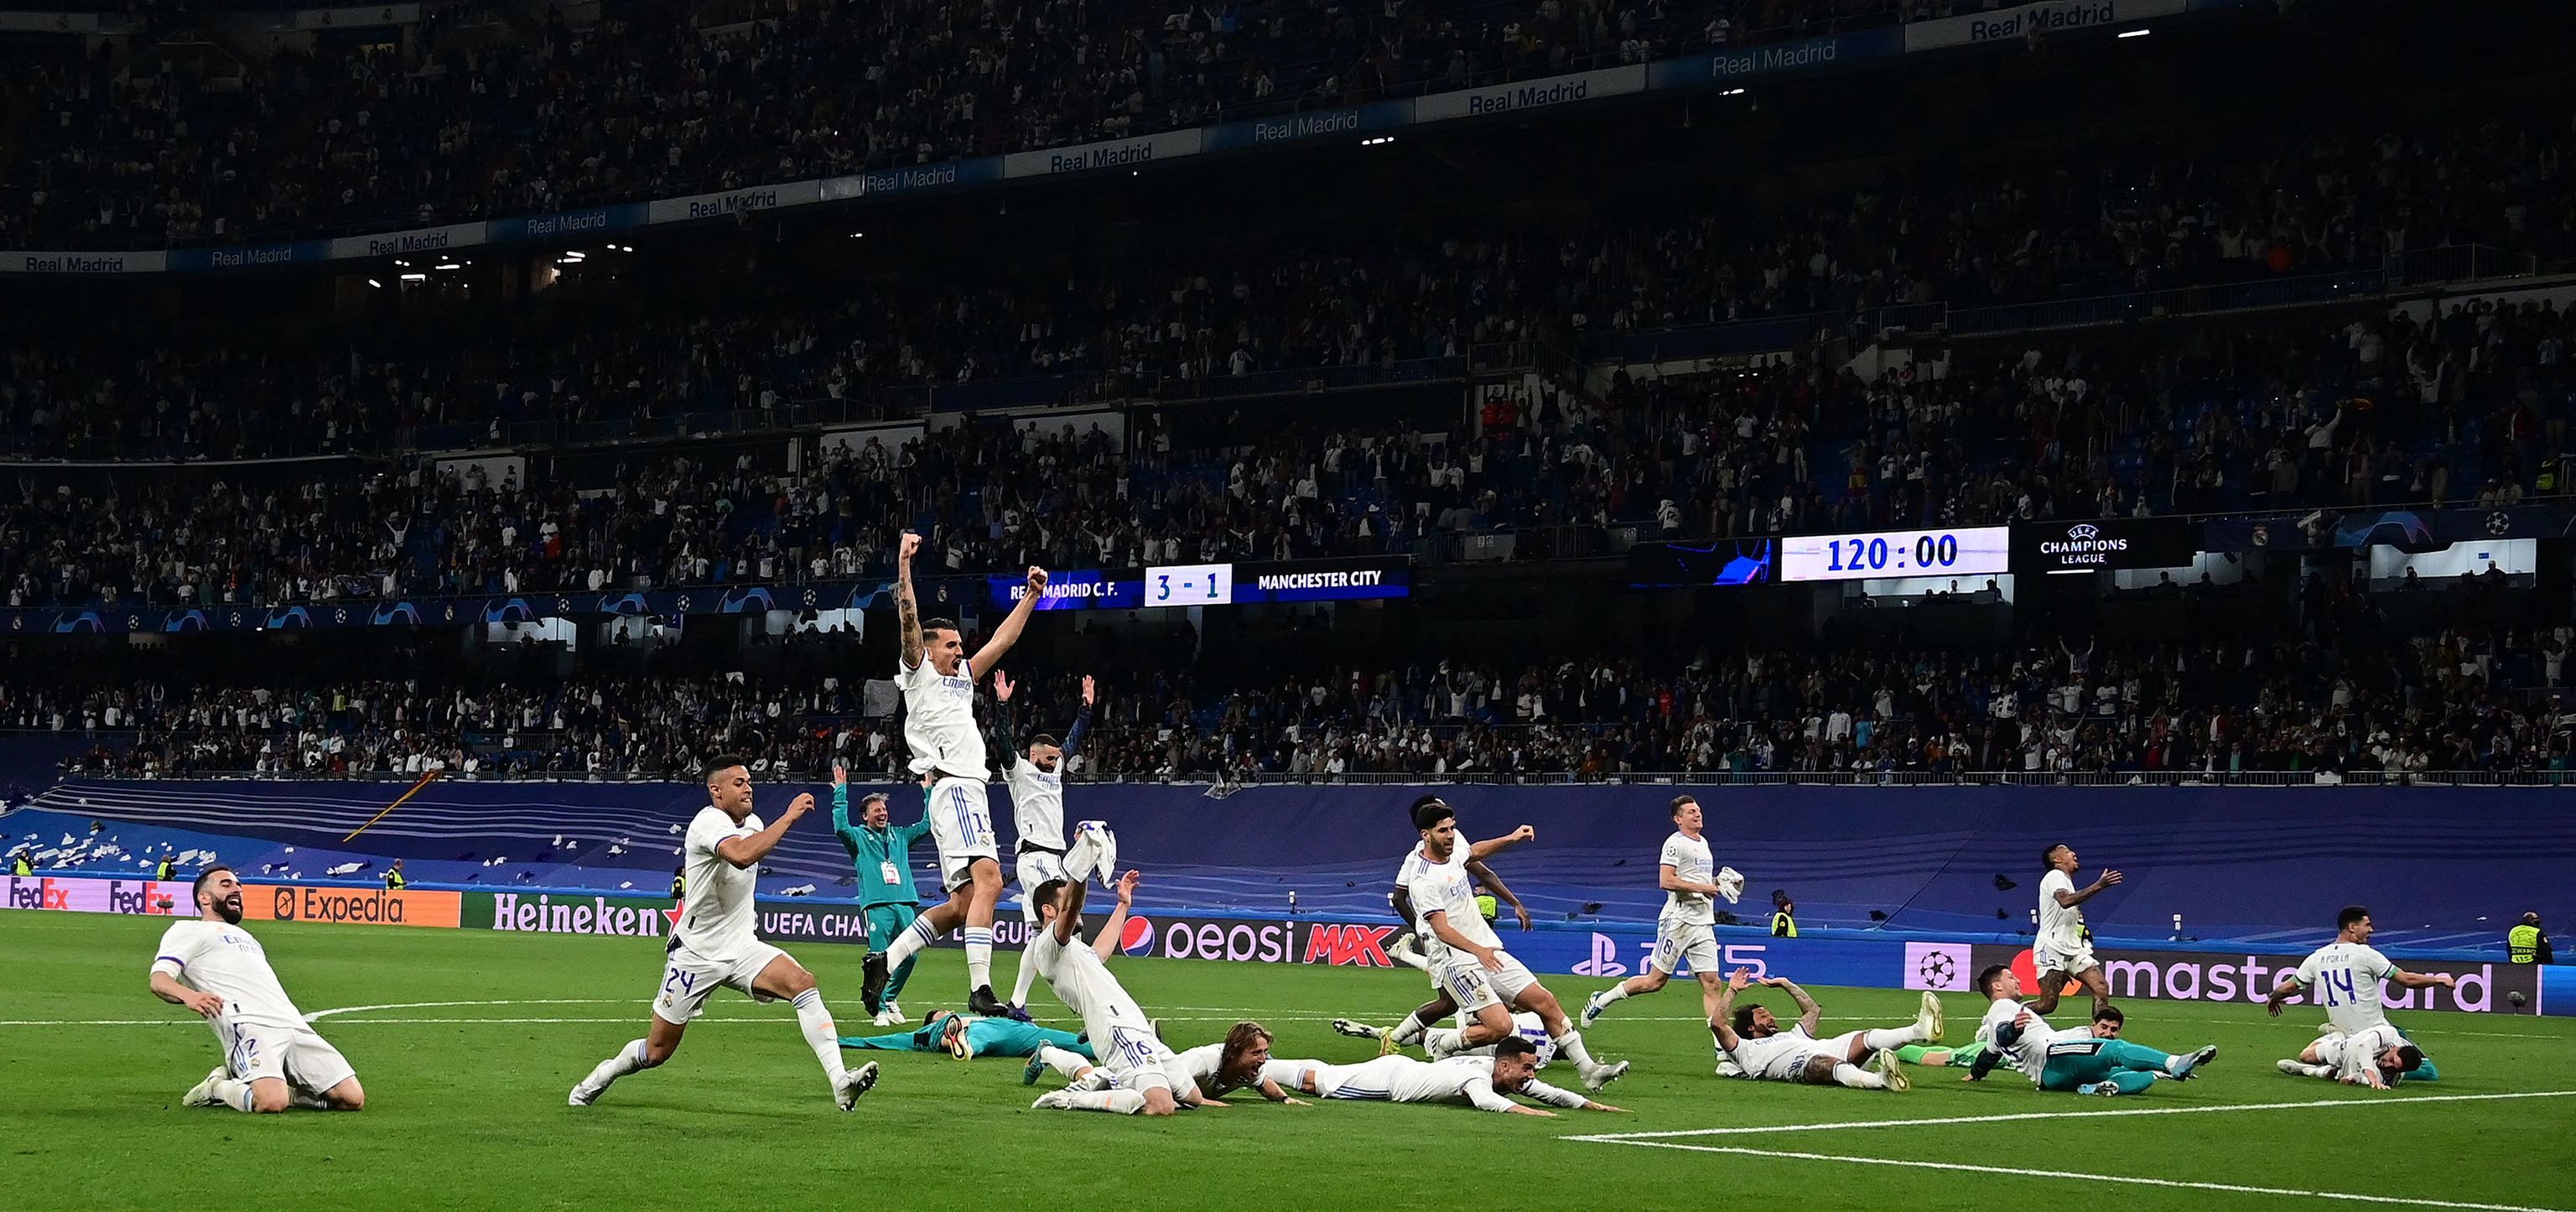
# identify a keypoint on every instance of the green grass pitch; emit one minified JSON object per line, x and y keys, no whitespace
{"x":466,"y":1102}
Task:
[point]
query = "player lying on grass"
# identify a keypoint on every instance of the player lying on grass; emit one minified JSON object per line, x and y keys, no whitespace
{"x":966,"y":1036}
{"x":1479,"y":975}
{"x":2378,"y":1057}
{"x":1481,"y":1082}
{"x":1751,"y":1043}
{"x":714,"y":943}
{"x":1240,"y":1062}
{"x":1144,"y":1079}
{"x":1524,"y":1024}
{"x":272,"y":1058}
{"x":2066,"y":1061}
{"x":2106,"y":1025}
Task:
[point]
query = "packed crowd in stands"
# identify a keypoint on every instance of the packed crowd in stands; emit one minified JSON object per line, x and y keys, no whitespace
{"x":1198,"y":313}
{"x":450,"y":123}
{"x":2355,"y":410}
{"x":2342,"y":699}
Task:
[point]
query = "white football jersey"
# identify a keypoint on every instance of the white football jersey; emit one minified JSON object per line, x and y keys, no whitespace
{"x":939,"y":720}
{"x":1444,"y":888}
{"x":2061,"y":927}
{"x":1084,"y":984}
{"x":2344,"y":978}
{"x":1688,"y":857}
{"x":1773,"y":1058}
{"x":1037,"y":803}
{"x":224,"y":960}
{"x":2029,"y":1053}
{"x":717,"y":916}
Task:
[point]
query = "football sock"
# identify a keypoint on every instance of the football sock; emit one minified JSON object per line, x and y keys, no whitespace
{"x":816,"y":1019}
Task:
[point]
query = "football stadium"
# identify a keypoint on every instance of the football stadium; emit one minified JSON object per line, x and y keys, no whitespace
{"x":1856,"y":603}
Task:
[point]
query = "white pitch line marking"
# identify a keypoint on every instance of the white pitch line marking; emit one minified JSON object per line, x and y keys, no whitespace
{"x":2059,"y":1176}
{"x":1639,"y":1138}
{"x":533,"y":1001}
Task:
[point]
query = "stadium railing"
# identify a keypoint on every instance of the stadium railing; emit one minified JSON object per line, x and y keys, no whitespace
{"x":1220,"y":787}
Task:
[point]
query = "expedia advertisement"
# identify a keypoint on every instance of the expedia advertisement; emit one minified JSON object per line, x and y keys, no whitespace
{"x":2223,"y":976}
{"x":2054,"y":548}
{"x":351,"y":906}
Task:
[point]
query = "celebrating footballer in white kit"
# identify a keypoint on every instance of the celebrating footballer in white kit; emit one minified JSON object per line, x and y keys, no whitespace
{"x":1036,"y":780}
{"x":714,"y":943}
{"x":1241,"y":1061}
{"x":1687,"y":927}
{"x":1753,"y":1045}
{"x":1470,"y":961}
{"x":938,"y":684}
{"x":1142,"y":1074}
{"x":2345,"y":976}
{"x":1408,"y":949}
{"x":273,"y":1059}
{"x":2064,"y":949}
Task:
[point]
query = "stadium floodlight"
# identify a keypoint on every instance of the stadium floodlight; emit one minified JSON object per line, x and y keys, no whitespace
{"x":2133,"y":33}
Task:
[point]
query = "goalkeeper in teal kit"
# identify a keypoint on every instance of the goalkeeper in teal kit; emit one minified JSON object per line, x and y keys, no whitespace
{"x":882,"y":854}
{"x":965,"y":1036}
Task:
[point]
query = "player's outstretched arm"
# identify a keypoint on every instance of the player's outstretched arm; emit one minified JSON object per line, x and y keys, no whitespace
{"x":1810,"y":1015}
{"x":907,"y":612}
{"x":1105,"y":942}
{"x":1480,"y":851}
{"x":1081,"y":723}
{"x":2281,"y":992}
{"x":1003,"y":687}
{"x":2417,"y":980}
{"x":1722,"y":1016}
{"x":2108,"y":878}
{"x":747,"y":851}
{"x":1494,"y":883}
{"x":1018,"y":620}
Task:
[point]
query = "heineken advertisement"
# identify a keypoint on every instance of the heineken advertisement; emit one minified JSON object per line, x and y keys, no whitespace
{"x":549,"y":913}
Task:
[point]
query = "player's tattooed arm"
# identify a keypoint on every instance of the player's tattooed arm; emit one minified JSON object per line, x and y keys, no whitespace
{"x":1810,"y":1015}
{"x":1721,"y":1017}
{"x":907,"y":611}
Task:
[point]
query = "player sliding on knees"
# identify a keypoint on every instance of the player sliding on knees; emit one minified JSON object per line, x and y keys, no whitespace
{"x":938,"y":684}
{"x":1687,"y":928}
{"x":1752,"y":1044}
{"x":713,"y":944}
{"x":1239,"y":1062}
{"x":1143,"y":1079}
{"x":1484,"y":1083}
{"x":2077,"y":1062}
{"x":273,"y":1059}
{"x":1409,"y":948}
{"x":1471,"y":963}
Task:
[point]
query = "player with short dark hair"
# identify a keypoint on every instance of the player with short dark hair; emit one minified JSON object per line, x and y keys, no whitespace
{"x":2346,"y":975}
{"x":2065,"y":944}
{"x":1407,"y":947}
{"x":938,"y":684}
{"x":1687,"y":927}
{"x":714,"y":943}
{"x":1486,"y":1083}
{"x":2080,"y":1064}
{"x":272,"y":1057}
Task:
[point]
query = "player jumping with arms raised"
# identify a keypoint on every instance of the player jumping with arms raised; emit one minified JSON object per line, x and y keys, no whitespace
{"x":273,"y":1059}
{"x":713,"y":944}
{"x":1037,"y":808}
{"x":1687,"y":928}
{"x":938,"y":684}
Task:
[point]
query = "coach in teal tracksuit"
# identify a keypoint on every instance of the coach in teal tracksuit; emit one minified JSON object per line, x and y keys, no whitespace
{"x":883,"y":855}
